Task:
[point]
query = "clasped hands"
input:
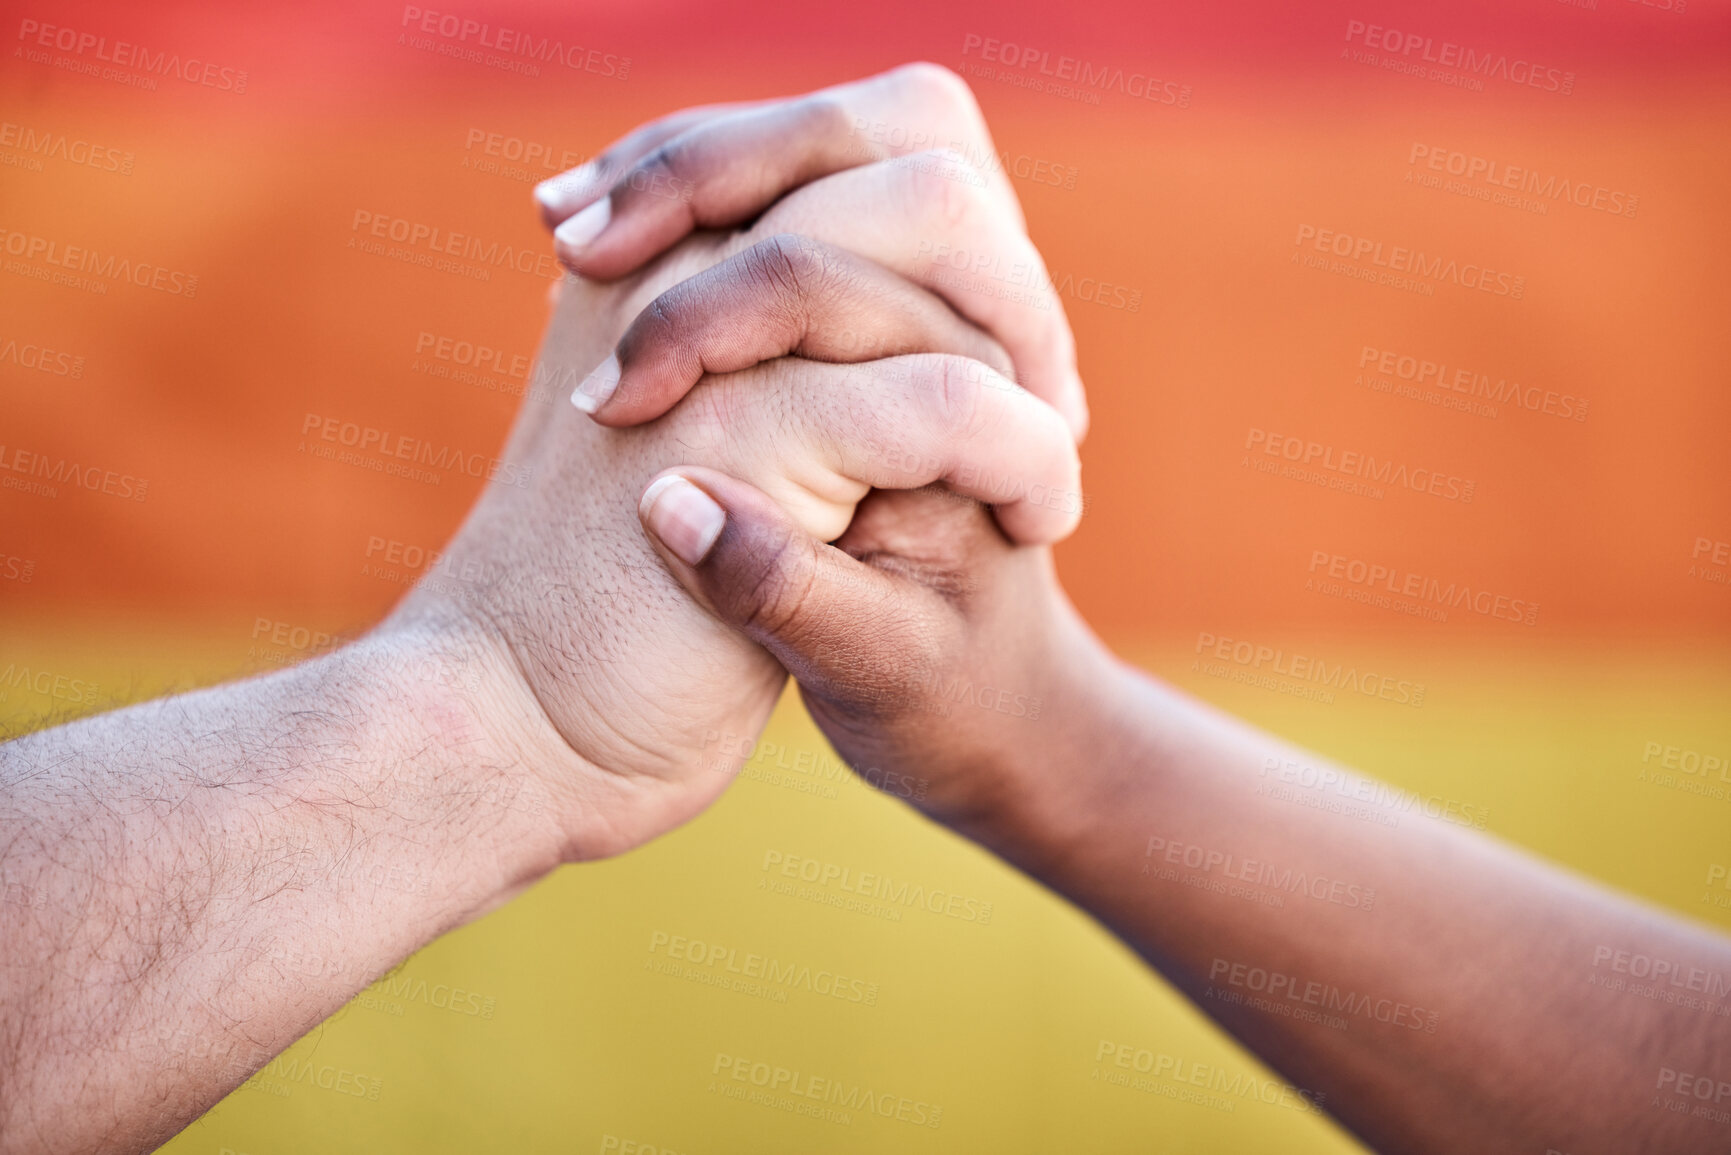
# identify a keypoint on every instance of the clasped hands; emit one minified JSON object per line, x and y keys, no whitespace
{"x":798,"y":322}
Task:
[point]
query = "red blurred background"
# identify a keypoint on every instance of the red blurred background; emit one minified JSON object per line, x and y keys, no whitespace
{"x":1192,"y":210}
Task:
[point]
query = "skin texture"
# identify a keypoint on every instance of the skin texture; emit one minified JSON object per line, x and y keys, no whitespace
{"x":1468,"y":1006}
{"x":222,"y":870}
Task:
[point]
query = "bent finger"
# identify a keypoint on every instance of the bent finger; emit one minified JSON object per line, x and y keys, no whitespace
{"x":839,"y":625}
{"x":785,"y":295}
{"x":898,"y":423}
{"x":560,"y":196}
{"x":927,"y":217}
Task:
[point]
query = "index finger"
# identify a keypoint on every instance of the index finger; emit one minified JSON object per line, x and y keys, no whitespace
{"x":562,"y":195}
{"x":784,"y":295}
{"x":725,"y":170}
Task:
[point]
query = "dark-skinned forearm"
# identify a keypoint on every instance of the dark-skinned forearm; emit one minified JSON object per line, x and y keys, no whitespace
{"x":1441,"y":990}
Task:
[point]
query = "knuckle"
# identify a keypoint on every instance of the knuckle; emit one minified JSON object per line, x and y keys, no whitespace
{"x":955,"y":405}
{"x":874,"y":689}
{"x":824,"y":116}
{"x":799,"y":256}
{"x":660,"y":322}
{"x":782,"y":266}
{"x":947,"y":203}
{"x":937,"y":86}
{"x":799,"y":269}
{"x":614,"y":159}
{"x":773,"y":597}
{"x":669,"y":171}
{"x":992,"y":352}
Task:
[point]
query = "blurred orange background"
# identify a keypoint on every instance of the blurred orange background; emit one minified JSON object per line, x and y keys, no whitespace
{"x":1193,"y":210}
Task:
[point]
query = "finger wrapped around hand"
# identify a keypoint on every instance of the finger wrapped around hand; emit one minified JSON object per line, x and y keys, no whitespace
{"x":927,"y":217}
{"x":784,"y":295}
{"x":817,"y":437}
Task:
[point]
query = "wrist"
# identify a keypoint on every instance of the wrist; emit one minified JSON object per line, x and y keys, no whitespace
{"x":1070,"y":772}
{"x":452,"y":756}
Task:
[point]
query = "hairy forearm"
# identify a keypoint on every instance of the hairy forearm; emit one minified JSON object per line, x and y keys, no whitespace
{"x":1440,"y":990}
{"x":208,"y":876}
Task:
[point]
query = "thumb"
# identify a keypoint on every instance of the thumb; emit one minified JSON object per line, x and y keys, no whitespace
{"x":849,"y":632}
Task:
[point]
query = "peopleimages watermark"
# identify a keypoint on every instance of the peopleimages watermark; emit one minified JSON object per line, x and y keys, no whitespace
{"x":51,"y":684}
{"x":1298,"y":675}
{"x":1368,"y":581}
{"x":613,"y":1143}
{"x":1520,"y":187}
{"x":81,"y":259}
{"x":499,"y":151}
{"x":1066,"y":76}
{"x":41,"y":358}
{"x":1689,"y":770}
{"x":1231,"y":1087}
{"x":490,"y":369}
{"x":295,"y":637}
{"x":134,"y":64}
{"x":1400,"y":261}
{"x":1021,"y":282}
{"x":1351,"y":469}
{"x":1163,"y":855}
{"x":878,"y":894}
{"x":711,"y":963}
{"x":1291,"y":997}
{"x":392,"y":990}
{"x":1708,"y":553}
{"x":812,"y":772}
{"x":1660,"y":980}
{"x":1718,"y":877}
{"x":280,"y":643}
{"x":280,"y":1076}
{"x":1674,"y":7}
{"x":16,"y":569}
{"x":1308,"y":785}
{"x":429,"y":567}
{"x":880,"y":138}
{"x":994,"y":488}
{"x":395,"y":450}
{"x":1474,"y":65}
{"x":1468,"y":390}
{"x":473,"y":354}
{"x":504,"y":48}
{"x":1698,"y":1096}
{"x":41,"y":474}
{"x":39,"y":144}
{"x":444,"y":250}
{"x":801,"y":1093}
{"x":958,"y":689}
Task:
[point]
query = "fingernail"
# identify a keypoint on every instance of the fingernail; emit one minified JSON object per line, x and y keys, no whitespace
{"x":549,"y":196}
{"x":596,"y":388}
{"x":553,"y":195}
{"x":685,"y":518}
{"x":576,"y":233}
{"x":1076,"y":409}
